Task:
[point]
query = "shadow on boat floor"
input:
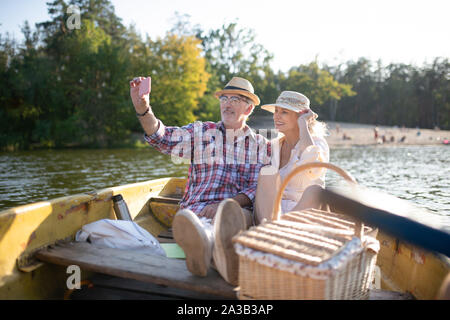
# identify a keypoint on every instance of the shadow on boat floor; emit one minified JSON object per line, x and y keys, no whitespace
{"x":105,"y":287}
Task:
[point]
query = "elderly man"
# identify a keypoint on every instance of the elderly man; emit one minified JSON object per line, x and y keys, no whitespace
{"x":225,"y":159}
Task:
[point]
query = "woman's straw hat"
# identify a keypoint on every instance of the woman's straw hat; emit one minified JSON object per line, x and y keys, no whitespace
{"x":240,"y":86}
{"x":290,"y":100}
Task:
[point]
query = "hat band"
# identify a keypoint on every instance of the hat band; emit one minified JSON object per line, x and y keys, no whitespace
{"x":292,"y":101}
{"x":235,"y":88}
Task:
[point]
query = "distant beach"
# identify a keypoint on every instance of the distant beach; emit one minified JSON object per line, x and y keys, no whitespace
{"x":354,"y":134}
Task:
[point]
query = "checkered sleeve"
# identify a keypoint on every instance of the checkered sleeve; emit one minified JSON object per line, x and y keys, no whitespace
{"x":172,"y":140}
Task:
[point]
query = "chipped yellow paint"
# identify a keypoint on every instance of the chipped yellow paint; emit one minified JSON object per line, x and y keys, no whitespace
{"x":175,"y":188}
{"x":164,"y":212}
{"x":25,"y":229}
{"x":406,"y":268}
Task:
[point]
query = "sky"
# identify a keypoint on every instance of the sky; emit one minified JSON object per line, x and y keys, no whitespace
{"x":294,"y":31}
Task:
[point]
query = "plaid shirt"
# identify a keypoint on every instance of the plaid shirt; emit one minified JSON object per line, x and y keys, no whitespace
{"x":218,"y":168}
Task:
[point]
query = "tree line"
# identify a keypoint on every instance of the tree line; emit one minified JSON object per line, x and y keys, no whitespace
{"x":65,"y":87}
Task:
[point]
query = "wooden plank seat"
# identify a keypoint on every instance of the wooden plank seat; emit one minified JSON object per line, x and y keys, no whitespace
{"x":160,"y":273}
{"x":169,"y":200}
{"x":136,"y":265}
{"x":166,"y":236}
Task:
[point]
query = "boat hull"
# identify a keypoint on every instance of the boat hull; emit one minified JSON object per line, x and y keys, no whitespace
{"x":26,"y":229}
{"x":407,"y":268}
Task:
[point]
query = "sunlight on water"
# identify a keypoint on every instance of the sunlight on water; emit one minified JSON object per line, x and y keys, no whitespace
{"x":27,"y":177}
{"x":417,"y":174}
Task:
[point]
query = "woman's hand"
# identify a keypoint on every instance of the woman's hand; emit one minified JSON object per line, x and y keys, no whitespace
{"x":307,"y":117}
{"x":304,"y":120}
{"x":140,"y":103}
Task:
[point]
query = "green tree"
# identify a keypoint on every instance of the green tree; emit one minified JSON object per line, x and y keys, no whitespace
{"x":232,"y":51}
{"x":358,"y":108}
{"x":179,"y":77}
{"x":10,"y":100}
{"x":317,"y":84}
{"x":65,"y":87}
{"x":88,"y":97}
{"x":432,"y":85}
{"x":399,"y":104}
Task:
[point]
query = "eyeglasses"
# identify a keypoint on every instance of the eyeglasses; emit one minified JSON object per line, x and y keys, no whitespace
{"x":234,"y":100}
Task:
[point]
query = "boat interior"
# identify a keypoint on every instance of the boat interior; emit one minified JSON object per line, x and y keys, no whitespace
{"x":37,"y":245}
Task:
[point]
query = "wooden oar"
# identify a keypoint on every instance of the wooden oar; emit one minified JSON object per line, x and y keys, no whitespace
{"x":390,"y":214}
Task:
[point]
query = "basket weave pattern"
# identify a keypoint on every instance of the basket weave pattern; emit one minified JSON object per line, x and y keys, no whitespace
{"x":261,"y":282}
{"x":307,"y":254}
{"x":309,"y":238}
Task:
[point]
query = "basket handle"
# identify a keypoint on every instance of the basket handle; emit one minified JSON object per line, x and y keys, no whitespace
{"x":276,"y":214}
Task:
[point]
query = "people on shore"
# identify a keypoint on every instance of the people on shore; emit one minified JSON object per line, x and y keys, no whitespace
{"x":225,"y":159}
{"x":302,"y":141}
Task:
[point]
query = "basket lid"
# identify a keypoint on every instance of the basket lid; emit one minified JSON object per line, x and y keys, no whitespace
{"x":298,"y":241}
{"x":321,"y":218}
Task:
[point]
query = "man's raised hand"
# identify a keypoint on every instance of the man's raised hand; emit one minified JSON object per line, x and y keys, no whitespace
{"x":140,"y":102}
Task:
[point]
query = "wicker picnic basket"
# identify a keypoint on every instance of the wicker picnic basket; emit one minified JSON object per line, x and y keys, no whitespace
{"x":310,"y":255}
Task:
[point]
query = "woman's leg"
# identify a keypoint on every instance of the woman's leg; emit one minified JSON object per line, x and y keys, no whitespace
{"x":311,"y":199}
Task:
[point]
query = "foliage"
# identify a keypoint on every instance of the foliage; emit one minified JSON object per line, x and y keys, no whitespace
{"x":318,"y":85}
{"x":180,"y":78}
{"x":63,"y":87}
{"x":396,"y":94}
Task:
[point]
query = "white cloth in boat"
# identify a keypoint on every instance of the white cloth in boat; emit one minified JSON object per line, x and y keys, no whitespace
{"x":119,"y":234}
{"x":294,"y":190}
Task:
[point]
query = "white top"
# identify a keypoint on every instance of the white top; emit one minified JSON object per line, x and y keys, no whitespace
{"x":294,"y":190}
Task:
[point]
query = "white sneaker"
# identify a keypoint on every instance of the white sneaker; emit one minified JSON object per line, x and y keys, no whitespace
{"x":228,"y":222}
{"x":191,"y":236}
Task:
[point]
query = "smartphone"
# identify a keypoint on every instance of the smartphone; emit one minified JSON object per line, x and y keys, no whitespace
{"x":144,"y":87}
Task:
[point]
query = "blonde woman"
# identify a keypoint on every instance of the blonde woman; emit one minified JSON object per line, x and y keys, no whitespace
{"x":301,"y":141}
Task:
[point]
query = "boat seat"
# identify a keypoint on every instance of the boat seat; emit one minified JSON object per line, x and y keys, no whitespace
{"x":156,"y":270}
{"x":138,"y":266}
{"x":170,"y":200}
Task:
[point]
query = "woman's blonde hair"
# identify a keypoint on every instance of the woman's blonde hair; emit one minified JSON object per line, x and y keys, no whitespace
{"x":318,"y":128}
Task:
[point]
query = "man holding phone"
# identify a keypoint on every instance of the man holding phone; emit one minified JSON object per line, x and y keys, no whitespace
{"x":225,"y":159}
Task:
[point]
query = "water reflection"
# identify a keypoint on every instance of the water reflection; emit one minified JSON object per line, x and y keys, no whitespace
{"x":41,"y":175}
{"x":417,"y":174}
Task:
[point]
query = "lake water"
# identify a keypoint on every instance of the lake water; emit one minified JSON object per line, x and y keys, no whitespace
{"x":419,"y":174}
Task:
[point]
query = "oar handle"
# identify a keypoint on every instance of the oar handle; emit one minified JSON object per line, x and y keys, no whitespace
{"x":383,"y":212}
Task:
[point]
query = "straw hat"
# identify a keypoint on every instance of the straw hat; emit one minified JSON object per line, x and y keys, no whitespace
{"x":239,"y":86}
{"x":290,"y":100}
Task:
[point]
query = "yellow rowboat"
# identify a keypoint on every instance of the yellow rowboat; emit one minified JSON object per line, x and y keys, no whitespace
{"x":36,"y":249}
